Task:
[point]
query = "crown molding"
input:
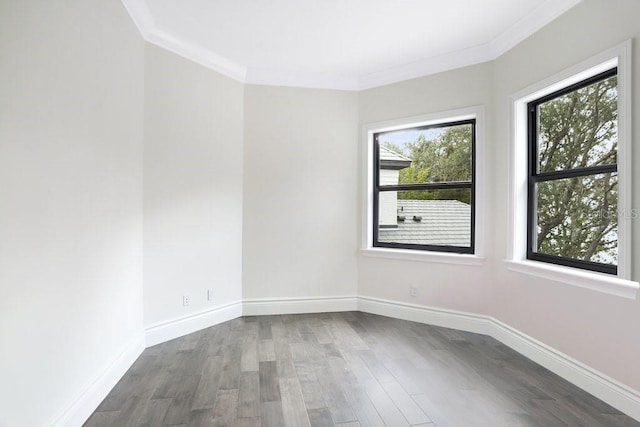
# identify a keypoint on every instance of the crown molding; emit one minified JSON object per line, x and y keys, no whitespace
{"x":427,"y":66}
{"x":152,"y":33}
{"x":528,"y":25}
{"x":141,"y":16}
{"x":525,"y":27}
{"x":197,"y":54}
{"x":259,"y":76}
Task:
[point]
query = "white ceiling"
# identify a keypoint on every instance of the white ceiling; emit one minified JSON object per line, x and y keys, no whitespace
{"x":341,"y":44}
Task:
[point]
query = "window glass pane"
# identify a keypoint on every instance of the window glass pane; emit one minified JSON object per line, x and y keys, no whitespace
{"x":579,"y":129}
{"x":415,"y":156}
{"x":425,"y":217}
{"x":577,"y":218}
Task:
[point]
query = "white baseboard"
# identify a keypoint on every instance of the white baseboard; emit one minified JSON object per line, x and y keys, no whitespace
{"x":261,"y":307}
{"x":616,"y":394}
{"x":605,"y":388}
{"x":600,"y":385}
{"x":91,"y":396}
{"x":176,"y":328}
{"x":421,"y":314}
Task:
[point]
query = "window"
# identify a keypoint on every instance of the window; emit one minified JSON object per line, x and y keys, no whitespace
{"x":424,"y":187}
{"x":573,"y":173}
{"x":570,"y":178}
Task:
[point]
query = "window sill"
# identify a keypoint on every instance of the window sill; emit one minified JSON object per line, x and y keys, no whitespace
{"x":600,"y":282}
{"x":423,"y":256}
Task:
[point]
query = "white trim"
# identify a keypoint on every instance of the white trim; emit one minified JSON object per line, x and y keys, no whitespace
{"x":541,"y":16}
{"x":428,"y":66}
{"x":625,"y":157}
{"x":423,"y":256}
{"x":480,"y":181}
{"x":152,"y":33}
{"x":81,"y":408}
{"x":600,"y":385}
{"x":260,"y":76}
{"x":525,"y":27}
{"x":605,"y":388}
{"x":619,"y":56}
{"x":197,"y":54}
{"x":366,"y":153}
{"x":140,"y":15}
{"x":270,"y":306}
{"x":600,"y":282}
{"x":176,"y":328}
{"x":459,"y":320}
{"x":538,"y":18}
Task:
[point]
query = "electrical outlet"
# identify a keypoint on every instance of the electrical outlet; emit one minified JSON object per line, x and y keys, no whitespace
{"x":185,"y":300}
{"x":413,"y":291}
{"x":210,"y":294}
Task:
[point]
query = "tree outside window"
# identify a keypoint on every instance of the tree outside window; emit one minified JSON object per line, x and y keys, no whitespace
{"x":424,"y":192}
{"x":573,"y":141}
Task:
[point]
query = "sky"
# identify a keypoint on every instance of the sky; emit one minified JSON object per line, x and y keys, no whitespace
{"x":402,"y":137}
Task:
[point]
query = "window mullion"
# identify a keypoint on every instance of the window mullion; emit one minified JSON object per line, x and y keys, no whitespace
{"x":444,"y":196}
{"x":555,"y":249}
{"x":575,"y":173}
{"x":427,"y":186}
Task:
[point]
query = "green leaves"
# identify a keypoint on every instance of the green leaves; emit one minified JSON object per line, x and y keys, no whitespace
{"x":577,"y":217}
{"x":579,"y":129}
{"x":445,"y":158}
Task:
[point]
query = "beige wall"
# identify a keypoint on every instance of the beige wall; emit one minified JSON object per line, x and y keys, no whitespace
{"x":300,"y":193}
{"x":193,"y":178}
{"x":598,"y":329}
{"x":71,"y":130}
{"x":251,"y":191}
{"x":450,"y":286}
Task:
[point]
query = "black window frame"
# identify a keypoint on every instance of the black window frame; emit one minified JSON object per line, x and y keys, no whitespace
{"x":377,"y":189}
{"x":534,"y":177}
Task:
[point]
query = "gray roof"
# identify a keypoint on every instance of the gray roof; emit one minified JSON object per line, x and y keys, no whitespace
{"x":444,"y":222}
{"x":389,"y":159}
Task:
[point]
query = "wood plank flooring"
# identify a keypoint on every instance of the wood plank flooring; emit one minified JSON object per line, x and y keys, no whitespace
{"x":343,"y":369}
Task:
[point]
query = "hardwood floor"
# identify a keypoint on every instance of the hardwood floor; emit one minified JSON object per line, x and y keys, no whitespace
{"x":344,"y":369}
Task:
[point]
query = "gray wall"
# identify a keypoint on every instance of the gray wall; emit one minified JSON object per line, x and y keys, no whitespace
{"x":300,"y":193}
{"x":599,"y":330}
{"x":440,"y":285}
{"x":595,"y":328}
{"x":71,"y":133}
{"x":252,"y":191}
{"x":193,"y":178}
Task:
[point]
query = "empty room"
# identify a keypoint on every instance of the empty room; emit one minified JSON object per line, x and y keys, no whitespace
{"x":319,"y":213}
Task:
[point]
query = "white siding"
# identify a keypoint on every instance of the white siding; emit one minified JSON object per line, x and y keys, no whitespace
{"x":388,"y":207}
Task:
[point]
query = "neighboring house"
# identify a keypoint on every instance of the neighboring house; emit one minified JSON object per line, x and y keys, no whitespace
{"x":426,"y":222}
{"x":443,"y":222}
{"x":391,"y":163}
